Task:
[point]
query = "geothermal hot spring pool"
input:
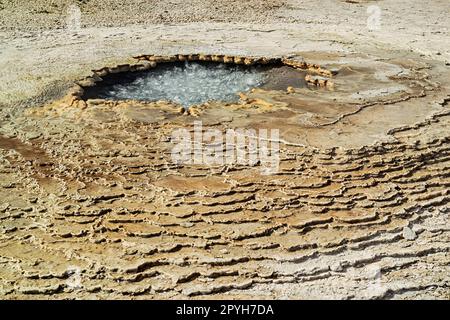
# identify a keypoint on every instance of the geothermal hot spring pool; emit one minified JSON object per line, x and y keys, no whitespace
{"x":193,"y":83}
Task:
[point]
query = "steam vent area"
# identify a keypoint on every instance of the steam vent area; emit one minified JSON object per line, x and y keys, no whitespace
{"x":276,"y":151}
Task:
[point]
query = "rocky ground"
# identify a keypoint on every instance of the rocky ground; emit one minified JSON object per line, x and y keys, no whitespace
{"x":91,"y":205}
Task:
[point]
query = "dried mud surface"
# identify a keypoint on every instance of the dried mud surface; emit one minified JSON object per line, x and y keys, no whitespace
{"x":92,"y":206}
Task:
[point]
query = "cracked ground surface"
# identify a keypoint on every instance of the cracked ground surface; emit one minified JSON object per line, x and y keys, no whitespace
{"x":92,"y":206}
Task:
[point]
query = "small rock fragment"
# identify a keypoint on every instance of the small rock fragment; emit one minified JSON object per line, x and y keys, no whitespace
{"x":409,"y":234}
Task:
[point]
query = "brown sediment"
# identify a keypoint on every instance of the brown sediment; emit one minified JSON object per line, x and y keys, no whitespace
{"x":363,"y":184}
{"x":92,"y":205}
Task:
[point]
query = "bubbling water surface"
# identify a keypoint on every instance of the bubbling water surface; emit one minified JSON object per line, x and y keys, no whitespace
{"x":188,"y":84}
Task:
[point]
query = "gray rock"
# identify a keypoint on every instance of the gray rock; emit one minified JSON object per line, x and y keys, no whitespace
{"x":409,"y":234}
{"x":32,"y":135}
{"x":336,"y":267}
